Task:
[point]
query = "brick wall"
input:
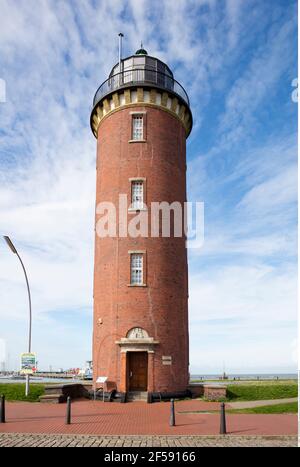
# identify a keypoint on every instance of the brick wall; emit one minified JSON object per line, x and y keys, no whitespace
{"x":214,"y":393}
{"x":161,"y":307}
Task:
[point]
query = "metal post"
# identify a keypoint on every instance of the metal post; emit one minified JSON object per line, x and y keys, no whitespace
{"x":2,"y":410}
{"x":29,"y":302}
{"x":68,"y":415}
{"x":120,"y":50}
{"x":120,"y":59}
{"x":27,"y":385}
{"x":30,"y":320}
{"x":14,"y":250}
{"x":223,"y":420}
{"x":172,"y":416}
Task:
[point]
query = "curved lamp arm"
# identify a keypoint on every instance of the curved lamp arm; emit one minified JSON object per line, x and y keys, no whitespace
{"x":14,"y":250}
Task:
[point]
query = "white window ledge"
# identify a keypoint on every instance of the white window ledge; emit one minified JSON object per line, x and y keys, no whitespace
{"x":137,"y":209}
{"x":137,"y":285}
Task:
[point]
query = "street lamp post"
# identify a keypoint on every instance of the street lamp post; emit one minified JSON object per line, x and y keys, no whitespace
{"x":14,"y":250}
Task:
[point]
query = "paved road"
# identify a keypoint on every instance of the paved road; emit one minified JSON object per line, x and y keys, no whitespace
{"x":43,"y":440}
{"x":251,"y":404}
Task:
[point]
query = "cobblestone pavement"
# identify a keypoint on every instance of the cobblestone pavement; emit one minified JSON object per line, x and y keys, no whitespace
{"x":45,"y":440}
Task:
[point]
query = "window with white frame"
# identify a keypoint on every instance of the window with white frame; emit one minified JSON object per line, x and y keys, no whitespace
{"x":137,"y":127}
{"x":137,"y":194}
{"x":136,"y":269}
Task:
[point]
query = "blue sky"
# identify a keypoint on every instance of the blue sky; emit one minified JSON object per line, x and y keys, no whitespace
{"x":237,"y":60}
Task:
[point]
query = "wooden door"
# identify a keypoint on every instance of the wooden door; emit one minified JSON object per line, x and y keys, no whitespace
{"x":138,"y":371}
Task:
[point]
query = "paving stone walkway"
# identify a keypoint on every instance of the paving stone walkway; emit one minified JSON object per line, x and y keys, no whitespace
{"x":140,"y":419}
{"x":46,"y":440}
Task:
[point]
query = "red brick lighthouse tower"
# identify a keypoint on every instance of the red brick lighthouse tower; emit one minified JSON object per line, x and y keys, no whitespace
{"x":141,"y":118}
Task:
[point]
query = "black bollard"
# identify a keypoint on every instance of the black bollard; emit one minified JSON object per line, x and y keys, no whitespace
{"x":68,"y":415}
{"x":2,"y":410}
{"x":223,"y":420}
{"x":172,"y":416}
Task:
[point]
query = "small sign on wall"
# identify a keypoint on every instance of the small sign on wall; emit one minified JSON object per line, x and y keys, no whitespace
{"x":101,"y":379}
{"x":166,"y":360}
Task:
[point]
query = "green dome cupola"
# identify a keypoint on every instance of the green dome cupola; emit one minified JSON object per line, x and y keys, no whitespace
{"x":141,"y":51}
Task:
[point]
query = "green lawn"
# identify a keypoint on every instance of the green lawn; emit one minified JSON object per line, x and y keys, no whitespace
{"x":16,"y":392}
{"x":291,"y":407}
{"x":256,"y":392}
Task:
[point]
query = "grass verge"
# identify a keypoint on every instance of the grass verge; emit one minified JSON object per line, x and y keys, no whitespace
{"x":290,"y":407}
{"x":16,"y":392}
{"x":287,"y":408}
{"x":241,"y":392}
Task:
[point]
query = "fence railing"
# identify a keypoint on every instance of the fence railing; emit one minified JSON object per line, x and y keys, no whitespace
{"x":134,"y":76}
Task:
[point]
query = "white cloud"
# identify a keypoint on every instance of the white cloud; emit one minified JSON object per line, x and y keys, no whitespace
{"x":256,"y":84}
{"x":243,"y":304}
{"x":261,"y":222}
{"x":272,"y":194}
{"x":248,"y":292}
{"x":245,"y":316}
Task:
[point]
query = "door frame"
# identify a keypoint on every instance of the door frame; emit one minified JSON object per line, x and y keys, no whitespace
{"x":125,"y":348}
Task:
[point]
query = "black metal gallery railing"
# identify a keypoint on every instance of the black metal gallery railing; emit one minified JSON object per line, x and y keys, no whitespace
{"x":145,"y":76}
